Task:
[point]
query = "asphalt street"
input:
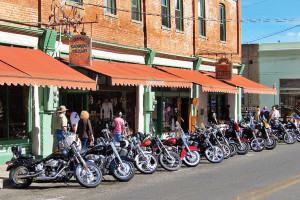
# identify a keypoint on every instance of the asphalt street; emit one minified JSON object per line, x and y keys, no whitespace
{"x":262,"y":175}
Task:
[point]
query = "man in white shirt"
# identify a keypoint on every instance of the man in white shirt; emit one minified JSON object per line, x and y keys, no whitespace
{"x":74,"y":118}
{"x":274,"y":114}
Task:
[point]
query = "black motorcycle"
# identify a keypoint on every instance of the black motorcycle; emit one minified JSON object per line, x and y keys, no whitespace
{"x":106,"y":155}
{"x":57,"y":167}
{"x":282,"y":132}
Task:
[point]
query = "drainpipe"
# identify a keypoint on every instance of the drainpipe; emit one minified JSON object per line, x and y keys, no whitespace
{"x":145,"y":24}
{"x":194,"y":30}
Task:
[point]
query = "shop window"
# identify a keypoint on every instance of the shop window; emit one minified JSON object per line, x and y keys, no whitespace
{"x":136,"y":10}
{"x":110,"y":6}
{"x":201,"y":17}
{"x":179,"y":15}
{"x":13,"y":112}
{"x":165,"y":12}
{"x":222,"y":22}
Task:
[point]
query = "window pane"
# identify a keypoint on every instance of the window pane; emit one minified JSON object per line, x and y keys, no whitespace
{"x":136,"y":10}
{"x":165,"y":9}
{"x":201,"y":17}
{"x":222,"y":23}
{"x":179,"y":15}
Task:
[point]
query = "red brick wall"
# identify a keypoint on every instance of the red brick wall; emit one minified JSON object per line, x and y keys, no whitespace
{"x":120,"y":29}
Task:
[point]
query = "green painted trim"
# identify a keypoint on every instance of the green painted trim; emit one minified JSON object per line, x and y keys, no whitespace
{"x":172,"y":94}
{"x":197,"y":63}
{"x":70,"y":91}
{"x":241,"y":70}
{"x":20,"y":29}
{"x":149,"y":57}
{"x":176,"y":56}
{"x":17,"y":44}
{"x":195,"y":90}
{"x":13,"y":142}
{"x":239,"y":104}
{"x":30,"y":110}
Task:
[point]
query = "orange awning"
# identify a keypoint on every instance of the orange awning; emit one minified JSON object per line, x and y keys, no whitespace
{"x":248,"y":85}
{"x":208,"y":83}
{"x":30,"y":66}
{"x":136,"y":74}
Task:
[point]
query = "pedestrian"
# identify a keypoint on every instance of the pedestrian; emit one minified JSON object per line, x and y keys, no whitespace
{"x":257,"y":114}
{"x":265,"y":113}
{"x":60,"y":125}
{"x":84,"y":130}
{"x":274,"y":114}
{"x":227,"y":113}
{"x":74,"y":118}
{"x":119,"y":128}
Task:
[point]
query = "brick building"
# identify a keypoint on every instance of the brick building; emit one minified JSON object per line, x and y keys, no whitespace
{"x":162,"y":49}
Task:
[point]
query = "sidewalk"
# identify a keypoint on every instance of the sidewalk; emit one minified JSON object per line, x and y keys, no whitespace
{"x":4,"y":182}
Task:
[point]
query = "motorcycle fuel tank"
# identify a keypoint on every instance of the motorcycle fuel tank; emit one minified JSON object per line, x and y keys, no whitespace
{"x":170,"y":142}
{"x":146,"y":143}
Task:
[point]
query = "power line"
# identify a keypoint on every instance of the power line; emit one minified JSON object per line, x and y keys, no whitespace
{"x":276,"y":33}
{"x":254,"y":4}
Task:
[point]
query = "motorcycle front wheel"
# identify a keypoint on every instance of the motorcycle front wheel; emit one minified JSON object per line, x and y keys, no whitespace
{"x":122,"y":172}
{"x":170,"y":163}
{"x":214,"y":155}
{"x":192,"y":158}
{"x":226,"y":150}
{"x":146,"y":164}
{"x":257,"y":144}
{"x":243,"y":148}
{"x":17,"y":182}
{"x":270,"y":144}
{"x":289,"y":138}
{"x":88,"y":178}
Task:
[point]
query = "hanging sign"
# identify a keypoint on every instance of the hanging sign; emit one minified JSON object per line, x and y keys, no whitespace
{"x":223,"y":69}
{"x":80,"y":52}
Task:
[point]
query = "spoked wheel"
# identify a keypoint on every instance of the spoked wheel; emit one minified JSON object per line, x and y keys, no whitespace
{"x":90,"y":177}
{"x":233,"y":149}
{"x":19,"y":182}
{"x":298,"y":137}
{"x":257,"y":144}
{"x":270,"y":144}
{"x":226,"y":150}
{"x":242,"y":148}
{"x":214,"y":155}
{"x":170,"y":163}
{"x":289,"y":138}
{"x":122,"y":171}
{"x":146,"y":164}
{"x":192,"y":158}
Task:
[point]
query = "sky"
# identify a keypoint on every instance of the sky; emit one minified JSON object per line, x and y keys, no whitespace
{"x":270,"y":9}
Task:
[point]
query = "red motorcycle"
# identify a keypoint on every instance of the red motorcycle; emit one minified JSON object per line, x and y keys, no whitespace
{"x":234,"y":133}
{"x":189,"y":154}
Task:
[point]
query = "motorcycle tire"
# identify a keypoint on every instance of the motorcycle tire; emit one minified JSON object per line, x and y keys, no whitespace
{"x":214,"y":155}
{"x":289,"y":139}
{"x":233,"y":149}
{"x":86,"y":179}
{"x":122,"y":173}
{"x":172,"y":163}
{"x":226,"y":150}
{"x":257,"y":144}
{"x":243,"y":149}
{"x":298,"y":137}
{"x":146,"y":165}
{"x":272,"y":144}
{"x":192,"y":158}
{"x":19,"y":183}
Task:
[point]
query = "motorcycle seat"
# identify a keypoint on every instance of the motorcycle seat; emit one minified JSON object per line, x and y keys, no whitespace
{"x":26,"y":156}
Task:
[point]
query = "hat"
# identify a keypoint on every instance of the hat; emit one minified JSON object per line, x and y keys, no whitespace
{"x":62,"y":109}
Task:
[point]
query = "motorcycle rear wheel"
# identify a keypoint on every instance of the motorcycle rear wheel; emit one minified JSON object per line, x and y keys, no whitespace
{"x":214,"y":155}
{"x":257,"y":144}
{"x":192,"y":159}
{"x":122,"y":173}
{"x":233,"y":149}
{"x":86,"y":179}
{"x":243,"y":149}
{"x":289,"y":139}
{"x":172,"y":163}
{"x":272,"y":144}
{"x":146,"y":165}
{"x":19,"y":183}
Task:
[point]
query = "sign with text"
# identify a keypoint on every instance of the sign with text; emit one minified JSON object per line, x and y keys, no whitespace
{"x":223,"y":69}
{"x":80,"y":50}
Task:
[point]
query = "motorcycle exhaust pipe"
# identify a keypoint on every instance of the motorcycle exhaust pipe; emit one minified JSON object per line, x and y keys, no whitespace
{"x":30,"y":176}
{"x":49,"y":178}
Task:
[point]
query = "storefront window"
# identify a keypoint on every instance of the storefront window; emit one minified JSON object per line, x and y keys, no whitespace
{"x":13,"y":112}
{"x":216,"y":104}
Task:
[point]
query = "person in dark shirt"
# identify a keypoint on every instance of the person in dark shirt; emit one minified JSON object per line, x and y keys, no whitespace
{"x":265,"y":113}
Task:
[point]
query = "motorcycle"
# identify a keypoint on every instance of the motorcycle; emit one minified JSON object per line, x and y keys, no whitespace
{"x":264,"y":131}
{"x":280,"y":130}
{"x":293,"y":124}
{"x":54,"y":168}
{"x":189,"y":154}
{"x":201,"y":139}
{"x":106,"y":155}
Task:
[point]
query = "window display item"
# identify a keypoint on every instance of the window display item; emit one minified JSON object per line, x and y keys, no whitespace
{"x":106,"y":110}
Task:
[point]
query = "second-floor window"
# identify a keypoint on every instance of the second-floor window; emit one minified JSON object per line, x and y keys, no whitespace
{"x":179,"y":15}
{"x":136,"y":10}
{"x":222,"y":23}
{"x":165,"y":13}
{"x":201,"y":17}
{"x":76,"y":1}
{"x":110,"y":6}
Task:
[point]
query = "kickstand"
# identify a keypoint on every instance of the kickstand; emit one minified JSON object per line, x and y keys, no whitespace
{"x":67,"y":184}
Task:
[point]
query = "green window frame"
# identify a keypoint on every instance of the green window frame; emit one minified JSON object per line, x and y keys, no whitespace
{"x":222,"y":22}
{"x":76,"y":1}
{"x":179,"y":15}
{"x":110,"y":6}
{"x":136,"y":10}
{"x":165,"y":13}
{"x":201,"y":18}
